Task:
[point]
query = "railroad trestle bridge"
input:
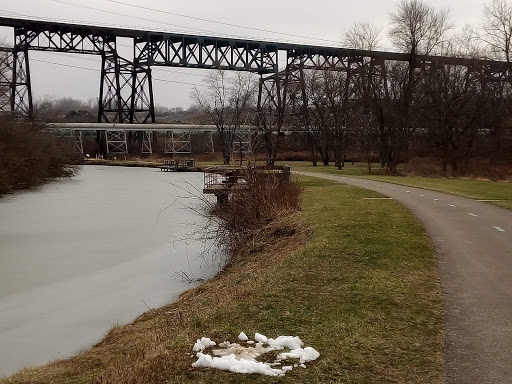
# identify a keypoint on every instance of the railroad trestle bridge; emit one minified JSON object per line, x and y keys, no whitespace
{"x":126,"y":92}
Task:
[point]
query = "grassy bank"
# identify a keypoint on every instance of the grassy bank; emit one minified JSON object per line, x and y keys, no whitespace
{"x":497,"y":192}
{"x":355,"y":279}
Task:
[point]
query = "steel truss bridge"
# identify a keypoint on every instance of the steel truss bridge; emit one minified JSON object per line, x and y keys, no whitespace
{"x":125,"y":89}
{"x":177,"y":136}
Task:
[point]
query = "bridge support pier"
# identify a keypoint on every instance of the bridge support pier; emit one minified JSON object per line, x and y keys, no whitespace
{"x":78,"y":144}
{"x":242,"y":142}
{"x":126,"y":90}
{"x":209,"y":147}
{"x":142,"y":108}
{"x":15,"y":84}
{"x":178,"y":142}
{"x":146,"y":142}
{"x":116,"y":142}
{"x":115,"y":88}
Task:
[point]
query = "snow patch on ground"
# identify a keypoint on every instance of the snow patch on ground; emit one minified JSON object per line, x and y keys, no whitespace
{"x":205,"y":342}
{"x":241,"y":357}
{"x":304,"y":355}
{"x":260,"y":338}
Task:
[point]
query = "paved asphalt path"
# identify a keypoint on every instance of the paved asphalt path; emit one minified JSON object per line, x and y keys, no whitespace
{"x":473,"y":243}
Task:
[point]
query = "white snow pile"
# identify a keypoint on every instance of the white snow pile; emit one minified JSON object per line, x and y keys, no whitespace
{"x":241,"y":357}
{"x":205,"y":342}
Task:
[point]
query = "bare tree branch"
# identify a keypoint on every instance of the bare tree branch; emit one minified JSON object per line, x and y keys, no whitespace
{"x":227,"y":103}
{"x":362,"y":35}
{"x":497,"y":28}
{"x":417,"y":27}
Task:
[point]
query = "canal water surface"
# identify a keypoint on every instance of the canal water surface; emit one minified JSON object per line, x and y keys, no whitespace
{"x":82,"y":255}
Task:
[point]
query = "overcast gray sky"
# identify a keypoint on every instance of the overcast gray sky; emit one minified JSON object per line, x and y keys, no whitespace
{"x":311,"y":22}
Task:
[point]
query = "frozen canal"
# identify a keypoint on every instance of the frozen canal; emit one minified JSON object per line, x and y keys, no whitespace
{"x":80,"y":256}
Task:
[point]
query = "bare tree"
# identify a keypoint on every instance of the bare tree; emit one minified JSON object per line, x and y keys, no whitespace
{"x":44,"y":109}
{"x":358,"y":119}
{"x":418,"y":28}
{"x":339,"y":91}
{"x":314,"y":116}
{"x":497,"y":29}
{"x":465,"y":43}
{"x":227,"y":103}
{"x":363,"y":36}
{"x":496,"y":36}
{"x":454,"y":105}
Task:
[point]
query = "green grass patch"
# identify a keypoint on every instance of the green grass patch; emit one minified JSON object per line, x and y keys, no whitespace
{"x":357,"y":280}
{"x":496,"y":192}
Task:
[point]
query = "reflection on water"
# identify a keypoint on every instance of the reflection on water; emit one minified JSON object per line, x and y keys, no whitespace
{"x":82,"y":255}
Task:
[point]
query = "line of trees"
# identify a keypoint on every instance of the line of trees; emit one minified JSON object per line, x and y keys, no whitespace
{"x":385,"y":108}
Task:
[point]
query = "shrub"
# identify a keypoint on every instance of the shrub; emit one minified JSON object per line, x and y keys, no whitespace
{"x":29,"y":157}
{"x":264,"y":197}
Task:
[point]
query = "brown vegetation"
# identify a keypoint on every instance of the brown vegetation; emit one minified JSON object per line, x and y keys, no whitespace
{"x":264,"y":198}
{"x":29,"y":157}
{"x":477,"y":168}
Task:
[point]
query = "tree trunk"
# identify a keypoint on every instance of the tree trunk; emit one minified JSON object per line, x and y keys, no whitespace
{"x":445,"y":166}
{"x":392,"y":162}
{"x":313,"y":155}
{"x":270,"y":149}
{"x":455,"y":167}
{"x":227,"y":158}
{"x":226,"y":148}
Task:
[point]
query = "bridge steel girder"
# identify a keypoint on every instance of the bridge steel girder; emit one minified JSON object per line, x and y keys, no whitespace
{"x":272,"y":101}
{"x":146,"y":142}
{"x":60,"y":37}
{"x":69,"y":39}
{"x":206,"y":52}
{"x":242,"y":142}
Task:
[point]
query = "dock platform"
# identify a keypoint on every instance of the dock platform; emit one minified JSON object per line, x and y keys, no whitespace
{"x":177,"y":165}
